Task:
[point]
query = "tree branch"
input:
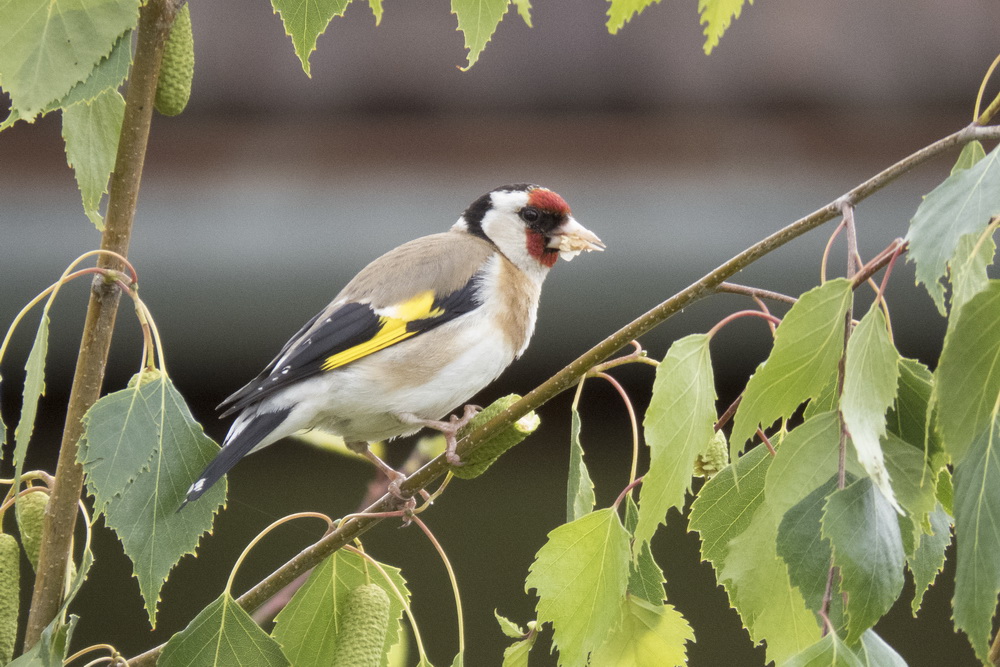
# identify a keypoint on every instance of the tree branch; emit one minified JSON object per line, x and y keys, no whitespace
{"x":155,"y":19}
{"x":571,"y":374}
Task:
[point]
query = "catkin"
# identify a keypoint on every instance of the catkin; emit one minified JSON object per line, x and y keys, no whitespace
{"x":365,"y":623}
{"x":713,"y":458}
{"x":30,"y":510}
{"x":173,"y":89}
{"x":476,"y":463}
{"x":10,"y":594}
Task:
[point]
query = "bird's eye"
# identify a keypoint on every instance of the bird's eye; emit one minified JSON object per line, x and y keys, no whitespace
{"x":530,"y":214}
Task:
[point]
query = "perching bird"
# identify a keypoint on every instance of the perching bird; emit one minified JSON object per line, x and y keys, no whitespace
{"x":414,"y":335}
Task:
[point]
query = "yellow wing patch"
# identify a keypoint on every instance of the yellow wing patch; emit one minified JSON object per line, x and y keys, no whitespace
{"x":391,"y":329}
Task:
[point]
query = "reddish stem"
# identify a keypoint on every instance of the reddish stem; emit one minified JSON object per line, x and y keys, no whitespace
{"x":743,"y":313}
{"x":728,"y":414}
{"x":625,"y":492}
{"x":767,"y":443}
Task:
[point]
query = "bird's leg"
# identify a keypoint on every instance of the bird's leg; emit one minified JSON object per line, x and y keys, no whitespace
{"x":448,"y":428}
{"x":395,"y":477}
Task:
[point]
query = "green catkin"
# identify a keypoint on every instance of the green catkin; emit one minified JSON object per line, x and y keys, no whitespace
{"x":30,"y":510}
{"x":476,"y":463}
{"x":173,"y":89}
{"x":713,"y":458}
{"x":10,"y":594}
{"x":365,"y":621}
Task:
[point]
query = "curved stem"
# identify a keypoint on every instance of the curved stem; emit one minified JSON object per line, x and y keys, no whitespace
{"x":742,"y":313}
{"x":451,"y":577}
{"x":986,"y":116}
{"x":262,"y":534}
{"x":621,"y":496}
{"x":90,"y":649}
{"x":632,"y":420}
{"x":572,"y":373}
{"x":827,"y":249}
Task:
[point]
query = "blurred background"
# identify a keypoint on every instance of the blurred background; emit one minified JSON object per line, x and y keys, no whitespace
{"x":272,"y":190}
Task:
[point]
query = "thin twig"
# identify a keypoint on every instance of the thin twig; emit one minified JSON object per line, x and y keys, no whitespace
{"x":755,"y":292}
{"x":155,"y":19}
{"x":728,"y":414}
{"x":852,"y":271}
{"x":571,"y":374}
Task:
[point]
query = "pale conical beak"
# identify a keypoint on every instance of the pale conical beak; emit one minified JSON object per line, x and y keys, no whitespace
{"x":571,"y":238}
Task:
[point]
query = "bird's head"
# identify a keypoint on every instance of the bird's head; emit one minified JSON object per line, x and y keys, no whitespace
{"x":531,"y":225}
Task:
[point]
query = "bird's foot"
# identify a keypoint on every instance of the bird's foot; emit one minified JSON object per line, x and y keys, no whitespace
{"x":449,"y":429}
{"x":395,"y":477}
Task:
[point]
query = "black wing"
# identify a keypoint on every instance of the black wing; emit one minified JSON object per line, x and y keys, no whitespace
{"x":351,"y":326}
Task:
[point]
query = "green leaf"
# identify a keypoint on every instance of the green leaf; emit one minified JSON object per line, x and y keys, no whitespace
{"x":825,"y":402}
{"x":909,"y":417}
{"x":968,"y":374}
{"x":972,"y":153}
{"x":222,"y":635}
{"x":509,"y":627}
{"x":621,"y":12}
{"x":962,"y":204}
{"x":870,"y":379}
{"x":309,"y":625}
{"x":90,"y":130}
{"x":478,"y":20}
{"x":306,"y":20}
{"x":678,"y":426}
{"x":47,"y":47}
{"x":759,"y":587}
{"x":141,"y":449}
{"x":523,"y":8}
{"x":874,"y":652}
{"x":376,"y":7}
{"x":807,"y":348}
{"x":580,"y":575}
{"x":650,"y":634}
{"x":34,"y":389}
{"x":122,"y":432}
{"x":977,"y":538}
{"x":806,"y":459}
{"x":968,"y":267}
{"x":108,"y":74}
{"x":928,"y":558}
{"x":738,"y":531}
{"x":645,"y":578}
{"x":913,"y":482}
{"x":829,"y":651}
{"x":580,"y":489}
{"x":717,"y":15}
{"x":868,"y":549}
{"x":806,"y":552}
{"x":724,"y":506}
{"x":516,"y":655}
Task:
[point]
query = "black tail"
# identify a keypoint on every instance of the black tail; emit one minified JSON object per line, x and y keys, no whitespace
{"x":258,"y":428}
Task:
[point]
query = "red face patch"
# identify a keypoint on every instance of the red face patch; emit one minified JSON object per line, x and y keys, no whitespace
{"x":537,"y":248}
{"x":547,"y":200}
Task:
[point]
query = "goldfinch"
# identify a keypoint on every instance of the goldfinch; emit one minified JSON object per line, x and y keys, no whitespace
{"x":414,"y":335}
